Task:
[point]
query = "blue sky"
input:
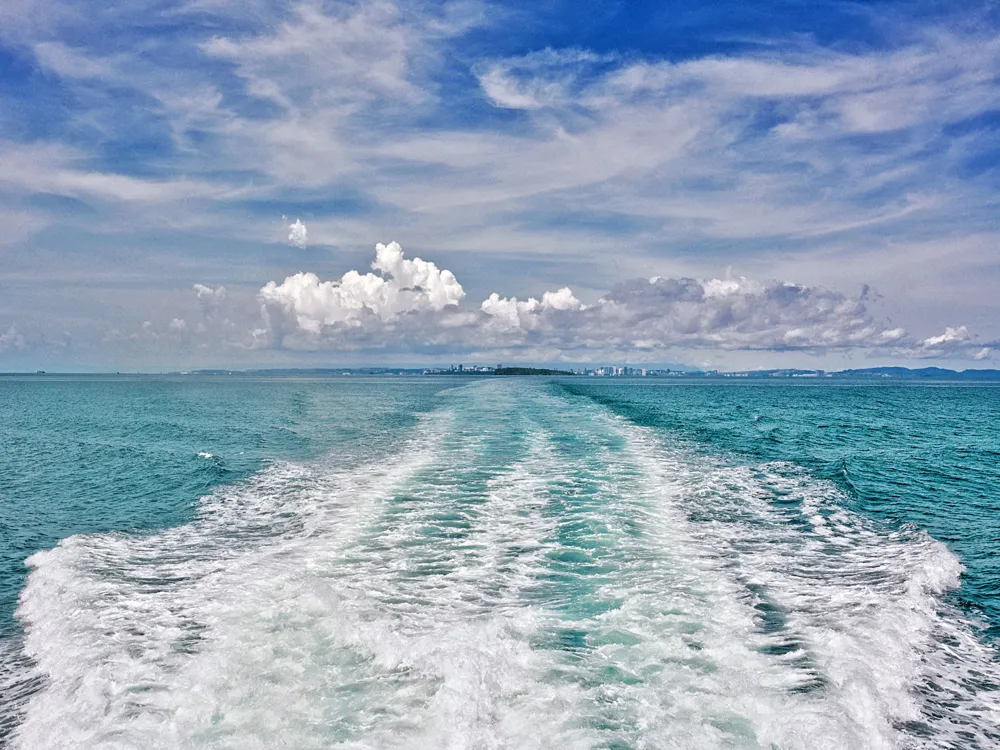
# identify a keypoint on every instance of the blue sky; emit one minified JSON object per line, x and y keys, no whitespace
{"x":725,"y":184}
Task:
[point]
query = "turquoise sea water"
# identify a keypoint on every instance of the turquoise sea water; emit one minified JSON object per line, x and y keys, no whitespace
{"x":528,"y":562}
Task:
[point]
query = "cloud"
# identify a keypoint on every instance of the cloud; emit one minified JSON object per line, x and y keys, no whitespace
{"x":210,"y":297}
{"x":772,"y":140}
{"x":11,"y":339}
{"x":56,"y":170}
{"x":287,"y":93}
{"x":537,"y":80}
{"x":400,"y":286}
{"x":741,"y":314}
{"x":334,"y":81}
{"x":414,"y":305}
{"x":315,"y":57}
{"x":150,"y":336}
{"x":212,"y":302}
{"x":950,"y":337}
{"x":70,"y":63}
{"x":570,"y":166}
{"x":510,"y":314}
{"x":18,"y":225}
{"x":298,"y":235}
{"x":333,"y":93}
{"x":769,"y":144}
{"x":954,"y":341}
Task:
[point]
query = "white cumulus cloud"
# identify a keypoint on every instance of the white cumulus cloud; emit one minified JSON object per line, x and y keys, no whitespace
{"x":950,"y":337}
{"x":414,"y":305}
{"x":510,"y":313}
{"x":400,"y":286}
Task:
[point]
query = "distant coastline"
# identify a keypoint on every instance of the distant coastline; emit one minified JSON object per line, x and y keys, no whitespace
{"x":530,"y":371}
{"x":868,"y":373}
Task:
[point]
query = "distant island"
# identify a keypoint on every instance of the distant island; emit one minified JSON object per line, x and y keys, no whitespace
{"x":529,"y":371}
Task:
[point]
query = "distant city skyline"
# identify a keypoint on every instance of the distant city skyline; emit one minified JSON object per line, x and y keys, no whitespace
{"x":730,"y":186}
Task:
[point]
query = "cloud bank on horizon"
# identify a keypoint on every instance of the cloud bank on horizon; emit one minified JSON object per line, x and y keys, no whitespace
{"x":413,"y":305}
{"x":589,"y":173}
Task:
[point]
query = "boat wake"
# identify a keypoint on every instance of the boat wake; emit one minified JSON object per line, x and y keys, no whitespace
{"x":530,"y":571}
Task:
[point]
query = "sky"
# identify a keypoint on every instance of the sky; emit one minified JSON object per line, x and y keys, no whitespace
{"x":239,"y":184}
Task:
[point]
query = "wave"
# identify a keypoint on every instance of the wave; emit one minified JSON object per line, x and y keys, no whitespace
{"x":529,"y":571}
{"x":860,"y":649}
{"x":132,"y":633}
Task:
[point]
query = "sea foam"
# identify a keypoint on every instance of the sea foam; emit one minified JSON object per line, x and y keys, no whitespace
{"x":531,"y":571}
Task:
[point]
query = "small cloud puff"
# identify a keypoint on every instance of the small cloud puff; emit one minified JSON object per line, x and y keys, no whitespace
{"x":950,"y":337}
{"x":210,"y":299}
{"x":210,"y":294}
{"x":953,"y":342}
{"x":298,"y":235}
{"x":12,"y":339}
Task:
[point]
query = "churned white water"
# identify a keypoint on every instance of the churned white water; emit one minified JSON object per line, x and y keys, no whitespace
{"x":530,"y":571}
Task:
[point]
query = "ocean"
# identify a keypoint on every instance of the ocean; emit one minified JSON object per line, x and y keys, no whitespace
{"x":460,"y":562}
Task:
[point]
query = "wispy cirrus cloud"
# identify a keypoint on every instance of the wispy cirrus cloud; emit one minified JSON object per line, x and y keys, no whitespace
{"x":65,"y":61}
{"x":55,"y":170}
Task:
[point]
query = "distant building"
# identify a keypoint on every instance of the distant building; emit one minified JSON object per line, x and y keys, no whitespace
{"x":460,"y":368}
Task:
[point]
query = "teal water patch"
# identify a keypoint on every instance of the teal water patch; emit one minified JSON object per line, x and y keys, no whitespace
{"x":501,"y":563}
{"x":925,"y":454}
{"x":82,"y":455}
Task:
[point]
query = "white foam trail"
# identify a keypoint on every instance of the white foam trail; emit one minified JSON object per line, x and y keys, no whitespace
{"x":663,"y":644}
{"x":18,"y":683}
{"x":863,"y":652}
{"x":534,"y":572}
{"x":142,"y":640}
{"x":432,"y":599}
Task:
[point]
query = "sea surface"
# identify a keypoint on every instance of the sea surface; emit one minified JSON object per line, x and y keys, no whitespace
{"x":460,"y":562}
